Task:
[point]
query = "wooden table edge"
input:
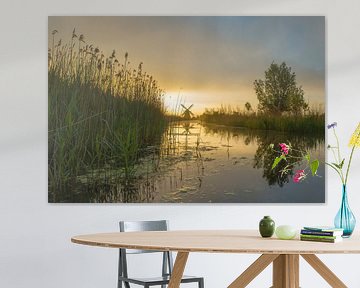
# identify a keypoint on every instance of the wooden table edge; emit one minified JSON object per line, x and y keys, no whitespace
{"x":203,"y":250}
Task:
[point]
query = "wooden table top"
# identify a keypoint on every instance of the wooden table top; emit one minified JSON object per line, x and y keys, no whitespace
{"x":217,"y":241}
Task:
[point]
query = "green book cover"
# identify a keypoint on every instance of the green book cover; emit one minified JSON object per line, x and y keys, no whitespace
{"x":325,"y":240}
{"x":319,"y":236}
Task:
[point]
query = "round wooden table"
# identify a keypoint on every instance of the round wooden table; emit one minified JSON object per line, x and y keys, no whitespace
{"x":284,"y":254}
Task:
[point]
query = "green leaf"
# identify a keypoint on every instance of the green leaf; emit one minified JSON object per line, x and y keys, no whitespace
{"x":342,"y":163}
{"x":314,"y":167}
{"x":335,"y":164}
{"x":339,"y":166}
{"x":276,"y":161}
{"x":271,"y":146}
{"x":307,"y":157}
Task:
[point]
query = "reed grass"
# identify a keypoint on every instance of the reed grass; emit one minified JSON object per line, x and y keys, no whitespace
{"x":102,"y":113}
{"x":312,"y":122}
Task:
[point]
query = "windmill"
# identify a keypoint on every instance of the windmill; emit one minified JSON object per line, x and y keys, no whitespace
{"x":187,"y":114}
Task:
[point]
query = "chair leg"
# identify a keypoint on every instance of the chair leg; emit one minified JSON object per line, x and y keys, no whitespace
{"x":126,"y":284}
{"x":201,"y":283}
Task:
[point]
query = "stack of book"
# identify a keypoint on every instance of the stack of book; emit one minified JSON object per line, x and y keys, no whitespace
{"x":321,"y":234}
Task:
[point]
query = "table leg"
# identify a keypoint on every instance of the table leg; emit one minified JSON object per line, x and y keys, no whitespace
{"x":286,"y":271}
{"x":324,"y":271}
{"x":253,"y":270}
{"x":178,"y":269}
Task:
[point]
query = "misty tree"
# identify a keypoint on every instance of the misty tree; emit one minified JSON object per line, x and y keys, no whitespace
{"x":279,"y":92}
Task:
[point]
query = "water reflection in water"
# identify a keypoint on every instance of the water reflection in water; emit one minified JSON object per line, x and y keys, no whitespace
{"x":208,"y":163}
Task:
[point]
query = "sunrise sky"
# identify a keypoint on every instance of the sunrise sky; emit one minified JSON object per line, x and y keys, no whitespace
{"x":209,"y":60}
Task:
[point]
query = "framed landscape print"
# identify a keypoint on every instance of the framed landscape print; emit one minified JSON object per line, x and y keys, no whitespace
{"x":158,"y":109}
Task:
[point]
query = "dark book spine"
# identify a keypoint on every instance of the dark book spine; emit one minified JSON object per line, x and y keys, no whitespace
{"x":317,"y":239}
{"x":318,"y":233}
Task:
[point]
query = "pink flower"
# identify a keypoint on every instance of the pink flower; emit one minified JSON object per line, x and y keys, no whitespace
{"x":299,"y":175}
{"x":284,"y":148}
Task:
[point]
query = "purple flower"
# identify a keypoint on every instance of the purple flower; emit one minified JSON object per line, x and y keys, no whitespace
{"x":332,"y":125}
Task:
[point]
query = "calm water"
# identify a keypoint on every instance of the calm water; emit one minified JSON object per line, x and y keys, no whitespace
{"x":198,"y":163}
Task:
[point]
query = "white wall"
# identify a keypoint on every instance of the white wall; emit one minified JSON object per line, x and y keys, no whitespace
{"x":35,"y":248}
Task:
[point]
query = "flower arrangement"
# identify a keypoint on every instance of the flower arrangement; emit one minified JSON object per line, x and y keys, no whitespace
{"x":310,"y":166}
{"x":339,"y":161}
{"x":344,"y":219}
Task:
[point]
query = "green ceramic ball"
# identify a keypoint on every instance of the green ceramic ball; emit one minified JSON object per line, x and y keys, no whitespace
{"x":285,"y":232}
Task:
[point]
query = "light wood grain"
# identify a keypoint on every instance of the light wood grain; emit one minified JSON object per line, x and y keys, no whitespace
{"x":253,"y":270}
{"x":324,"y":271}
{"x":293,"y":270}
{"x":178,"y":269}
{"x":286,"y":271}
{"x":279,"y":271}
{"x":221,"y":241}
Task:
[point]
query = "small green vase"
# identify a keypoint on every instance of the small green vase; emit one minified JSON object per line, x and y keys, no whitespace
{"x":266,"y":226}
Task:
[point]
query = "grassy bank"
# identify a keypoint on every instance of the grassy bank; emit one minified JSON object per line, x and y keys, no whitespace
{"x":310,"y":123}
{"x":102,"y":113}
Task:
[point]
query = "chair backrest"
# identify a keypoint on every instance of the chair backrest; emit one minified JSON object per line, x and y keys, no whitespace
{"x":134,"y":226}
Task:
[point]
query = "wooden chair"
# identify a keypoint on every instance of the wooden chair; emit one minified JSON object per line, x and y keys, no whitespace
{"x":167,"y":262}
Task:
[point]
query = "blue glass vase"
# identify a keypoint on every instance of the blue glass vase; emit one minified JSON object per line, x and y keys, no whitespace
{"x":345,"y":219}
